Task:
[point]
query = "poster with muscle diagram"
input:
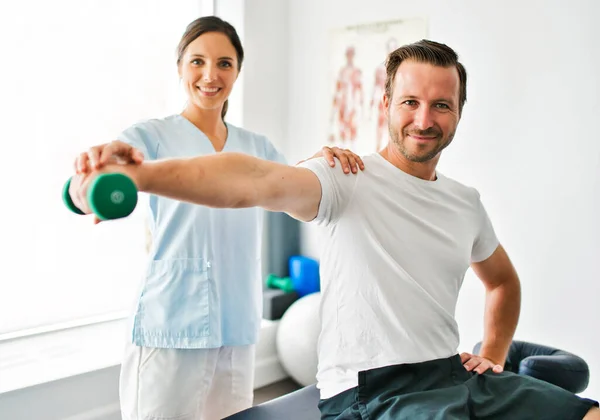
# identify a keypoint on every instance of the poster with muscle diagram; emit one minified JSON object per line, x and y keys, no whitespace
{"x":357,"y":77}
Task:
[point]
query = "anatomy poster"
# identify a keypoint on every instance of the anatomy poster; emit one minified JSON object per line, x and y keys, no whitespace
{"x":357,"y":79}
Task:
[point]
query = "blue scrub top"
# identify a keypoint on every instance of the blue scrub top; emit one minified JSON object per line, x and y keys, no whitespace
{"x":202,"y":287}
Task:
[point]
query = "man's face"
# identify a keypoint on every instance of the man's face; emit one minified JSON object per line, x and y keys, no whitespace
{"x":423,"y":111}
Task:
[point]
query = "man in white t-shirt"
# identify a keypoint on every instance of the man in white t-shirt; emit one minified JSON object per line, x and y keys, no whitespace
{"x":399,"y":238}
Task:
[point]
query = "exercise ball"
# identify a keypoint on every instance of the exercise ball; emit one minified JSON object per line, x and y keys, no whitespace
{"x":297,"y":336}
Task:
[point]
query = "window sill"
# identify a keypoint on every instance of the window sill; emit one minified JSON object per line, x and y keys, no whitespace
{"x":37,"y":359}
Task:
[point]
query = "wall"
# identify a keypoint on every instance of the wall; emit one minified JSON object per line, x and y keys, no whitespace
{"x":266,"y":40}
{"x":263,"y":27}
{"x":527,"y":141}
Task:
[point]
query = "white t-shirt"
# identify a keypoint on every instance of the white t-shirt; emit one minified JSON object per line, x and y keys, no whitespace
{"x":395,"y":253}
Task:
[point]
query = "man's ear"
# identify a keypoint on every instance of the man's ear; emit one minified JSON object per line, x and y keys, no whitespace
{"x":386,"y":105}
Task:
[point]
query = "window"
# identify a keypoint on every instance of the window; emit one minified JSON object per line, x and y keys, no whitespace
{"x":74,"y":74}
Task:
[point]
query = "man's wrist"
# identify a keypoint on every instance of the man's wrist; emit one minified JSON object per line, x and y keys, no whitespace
{"x":494,"y":356}
{"x":139,"y":174}
{"x":494,"y":360}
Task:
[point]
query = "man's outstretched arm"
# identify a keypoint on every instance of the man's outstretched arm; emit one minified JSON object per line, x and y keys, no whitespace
{"x":226,"y":180}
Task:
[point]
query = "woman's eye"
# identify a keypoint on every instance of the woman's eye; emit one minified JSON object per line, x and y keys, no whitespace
{"x":225,"y":64}
{"x":196,"y":62}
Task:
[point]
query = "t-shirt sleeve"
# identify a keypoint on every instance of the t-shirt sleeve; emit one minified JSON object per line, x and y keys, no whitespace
{"x":486,"y":241}
{"x":142,"y":137}
{"x":337,"y":189}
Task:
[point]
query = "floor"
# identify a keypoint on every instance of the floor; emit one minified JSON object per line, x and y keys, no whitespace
{"x":274,"y":390}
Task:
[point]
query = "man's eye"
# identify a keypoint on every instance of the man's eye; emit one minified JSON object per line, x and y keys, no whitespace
{"x":410,"y":102}
{"x":442,"y":106}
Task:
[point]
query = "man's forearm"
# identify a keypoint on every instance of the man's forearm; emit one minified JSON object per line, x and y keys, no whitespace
{"x":502,"y":309}
{"x":227,"y":180}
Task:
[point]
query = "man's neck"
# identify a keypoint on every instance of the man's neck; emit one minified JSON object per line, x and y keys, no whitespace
{"x":423,"y":170}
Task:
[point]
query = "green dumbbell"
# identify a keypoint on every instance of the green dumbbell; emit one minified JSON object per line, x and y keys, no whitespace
{"x":283,"y":283}
{"x":110,"y":196}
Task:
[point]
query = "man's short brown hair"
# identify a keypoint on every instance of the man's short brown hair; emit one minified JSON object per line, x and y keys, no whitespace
{"x":426,"y":51}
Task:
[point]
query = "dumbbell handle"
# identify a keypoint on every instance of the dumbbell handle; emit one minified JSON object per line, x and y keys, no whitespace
{"x":110,"y":196}
{"x":67,"y":198}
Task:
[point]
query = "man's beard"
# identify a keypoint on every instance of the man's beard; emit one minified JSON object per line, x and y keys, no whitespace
{"x":418,"y":158}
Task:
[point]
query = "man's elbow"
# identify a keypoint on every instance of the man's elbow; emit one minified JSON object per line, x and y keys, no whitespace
{"x":510,"y":286}
{"x":239,"y":200}
{"x":243,"y":197}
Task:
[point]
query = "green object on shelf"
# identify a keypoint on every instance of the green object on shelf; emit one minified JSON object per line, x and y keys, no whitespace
{"x":110,"y":196}
{"x":283,"y":283}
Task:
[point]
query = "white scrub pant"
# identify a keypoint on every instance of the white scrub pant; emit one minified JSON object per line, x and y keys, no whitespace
{"x":186,"y":384}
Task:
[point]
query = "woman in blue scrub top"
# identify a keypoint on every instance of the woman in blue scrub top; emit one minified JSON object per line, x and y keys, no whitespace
{"x":197,"y":318}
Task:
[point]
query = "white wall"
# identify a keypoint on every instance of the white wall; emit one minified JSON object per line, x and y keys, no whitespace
{"x":528,"y":141}
{"x":263,"y":27}
{"x":266,"y":42}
